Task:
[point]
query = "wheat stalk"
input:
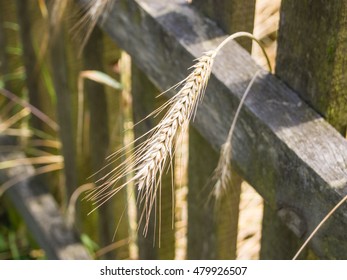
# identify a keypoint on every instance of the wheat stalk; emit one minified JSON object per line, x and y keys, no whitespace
{"x":150,"y":158}
{"x":223,"y":171}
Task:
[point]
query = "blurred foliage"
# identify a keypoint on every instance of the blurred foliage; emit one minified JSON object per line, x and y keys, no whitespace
{"x":31,"y":109}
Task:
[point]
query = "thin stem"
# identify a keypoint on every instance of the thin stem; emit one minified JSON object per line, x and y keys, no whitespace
{"x":243,"y":34}
{"x":319,"y":226}
{"x":233,"y":124}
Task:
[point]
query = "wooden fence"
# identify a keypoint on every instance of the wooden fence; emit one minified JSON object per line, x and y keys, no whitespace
{"x":283,"y":147}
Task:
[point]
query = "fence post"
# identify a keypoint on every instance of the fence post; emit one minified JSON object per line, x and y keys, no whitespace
{"x":232,"y":16}
{"x":57,"y":55}
{"x":310,"y":59}
{"x":312,"y":47}
{"x":144,"y":102}
{"x":12,"y":60}
{"x":99,"y":138}
{"x":320,"y":50}
{"x":277,"y":241}
{"x":212,"y":229}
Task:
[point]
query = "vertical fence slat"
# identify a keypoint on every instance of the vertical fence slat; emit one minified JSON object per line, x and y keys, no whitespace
{"x":312,"y":55}
{"x":30,"y":61}
{"x":212,"y":229}
{"x":14,"y":62}
{"x":231,"y":15}
{"x":202,"y":232}
{"x":144,"y":102}
{"x":99,"y":138}
{"x":311,"y":59}
{"x":278,"y":241}
{"x":59,"y":68}
{"x":3,"y":44}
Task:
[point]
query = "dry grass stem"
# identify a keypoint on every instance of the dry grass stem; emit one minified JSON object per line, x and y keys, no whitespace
{"x":14,"y":119}
{"x":145,"y":166}
{"x":39,"y":114}
{"x":223,"y":172}
{"x":332,"y":211}
{"x":29,"y":161}
{"x":71,"y":208}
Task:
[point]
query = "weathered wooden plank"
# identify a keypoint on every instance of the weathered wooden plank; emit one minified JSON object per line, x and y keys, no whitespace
{"x":40,"y":211}
{"x":232,"y":16}
{"x":117,"y":117}
{"x":294,"y":159}
{"x":322,"y":58}
{"x":278,"y":242}
{"x":202,"y":243}
{"x":311,"y":58}
{"x":212,"y":225}
{"x":99,"y":134}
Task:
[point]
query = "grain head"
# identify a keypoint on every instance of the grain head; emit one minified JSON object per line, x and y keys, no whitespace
{"x":147,"y":161}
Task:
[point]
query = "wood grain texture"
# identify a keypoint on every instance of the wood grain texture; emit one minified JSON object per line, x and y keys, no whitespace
{"x":278,"y":242}
{"x":294,"y":158}
{"x":40,"y":211}
{"x":212,"y":225}
{"x":230,"y":15}
{"x":313,"y":35}
{"x":202,"y":224}
{"x":311,"y":55}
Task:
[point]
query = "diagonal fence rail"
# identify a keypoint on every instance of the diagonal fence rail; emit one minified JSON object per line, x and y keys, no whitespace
{"x":283,"y":148}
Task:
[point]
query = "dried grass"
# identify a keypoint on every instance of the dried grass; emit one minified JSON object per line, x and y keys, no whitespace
{"x":41,"y":170}
{"x":29,"y":108}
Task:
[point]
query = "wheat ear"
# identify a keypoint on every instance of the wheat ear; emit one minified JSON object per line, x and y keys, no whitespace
{"x":150,"y":158}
